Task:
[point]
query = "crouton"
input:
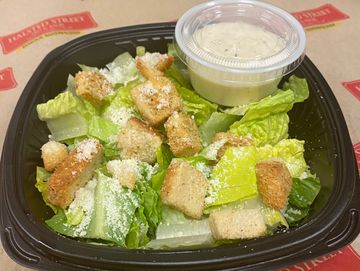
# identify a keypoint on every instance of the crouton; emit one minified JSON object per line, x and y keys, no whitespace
{"x":183,"y":135}
{"x":156,"y":99}
{"x":274,"y":182}
{"x":53,"y":153}
{"x":231,"y":140}
{"x":125,"y":171}
{"x":237,"y":224}
{"x":184,"y":188}
{"x":137,"y":140}
{"x":74,"y":172}
{"x":153,"y":64}
{"x":92,"y":86}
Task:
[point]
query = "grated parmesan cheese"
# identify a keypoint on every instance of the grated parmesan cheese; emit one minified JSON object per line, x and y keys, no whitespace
{"x":152,"y":59}
{"x":119,"y":116}
{"x":86,"y":148}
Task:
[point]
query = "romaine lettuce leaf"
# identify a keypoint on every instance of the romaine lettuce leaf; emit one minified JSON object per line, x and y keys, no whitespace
{"x":299,"y":86}
{"x":266,"y":121}
{"x":42,"y":177}
{"x":269,"y":130}
{"x":176,"y":230}
{"x":302,"y":195}
{"x":291,"y":151}
{"x":65,"y":116}
{"x":233,"y":178}
{"x":108,"y":212}
{"x":218,"y":122}
{"x":102,"y":129}
{"x":163,"y":157}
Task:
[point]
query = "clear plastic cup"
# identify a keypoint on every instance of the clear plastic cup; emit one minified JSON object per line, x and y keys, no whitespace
{"x":253,"y":74}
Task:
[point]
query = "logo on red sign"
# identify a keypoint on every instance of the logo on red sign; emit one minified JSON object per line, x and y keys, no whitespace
{"x":68,"y":22}
{"x":353,"y":87}
{"x":323,"y":15}
{"x":344,"y":259}
{"x":7,"y":79}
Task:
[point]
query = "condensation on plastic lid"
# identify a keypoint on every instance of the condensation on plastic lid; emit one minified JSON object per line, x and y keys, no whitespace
{"x":284,"y":34}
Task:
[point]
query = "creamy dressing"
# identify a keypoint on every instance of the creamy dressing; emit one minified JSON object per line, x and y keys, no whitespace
{"x":238,"y":40}
{"x":234,"y":45}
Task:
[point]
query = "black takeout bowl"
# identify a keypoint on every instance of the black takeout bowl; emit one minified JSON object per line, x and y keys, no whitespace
{"x":333,"y":222}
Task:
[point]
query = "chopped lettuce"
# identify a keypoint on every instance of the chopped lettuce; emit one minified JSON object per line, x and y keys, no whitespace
{"x":65,"y":116}
{"x":194,"y":104}
{"x":218,"y":122}
{"x":302,"y":195}
{"x":176,"y":230}
{"x":299,"y":86}
{"x":163,"y":157}
{"x":103,"y":129}
{"x":233,"y":178}
{"x":291,"y":151}
{"x":108,"y":212}
{"x":269,"y":130}
{"x":266,"y":121}
{"x":42,"y":177}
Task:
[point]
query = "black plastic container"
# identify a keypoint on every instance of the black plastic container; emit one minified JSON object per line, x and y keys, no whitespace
{"x":333,"y":223}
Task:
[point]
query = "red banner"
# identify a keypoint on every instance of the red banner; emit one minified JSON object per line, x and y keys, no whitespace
{"x":353,"y":87}
{"x":323,"y":15}
{"x":7,"y":79}
{"x":345,"y":259}
{"x":68,"y":22}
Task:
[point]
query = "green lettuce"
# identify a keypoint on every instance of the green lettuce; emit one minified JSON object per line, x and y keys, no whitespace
{"x":302,"y":195}
{"x":109,"y":218}
{"x":299,"y":86}
{"x":266,"y":121}
{"x":65,"y":116}
{"x":42,"y":177}
{"x":163,"y":157}
{"x":102,"y":129}
{"x":218,"y":122}
{"x":176,"y":230}
{"x":291,"y":151}
{"x":233,"y":178}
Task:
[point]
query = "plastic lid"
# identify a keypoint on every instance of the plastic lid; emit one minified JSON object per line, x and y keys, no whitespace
{"x":284,"y":35}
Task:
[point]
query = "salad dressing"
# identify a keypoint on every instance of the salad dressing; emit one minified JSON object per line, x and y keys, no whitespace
{"x":238,"y":40}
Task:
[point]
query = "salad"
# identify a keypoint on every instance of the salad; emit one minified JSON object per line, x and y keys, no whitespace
{"x":137,"y":159}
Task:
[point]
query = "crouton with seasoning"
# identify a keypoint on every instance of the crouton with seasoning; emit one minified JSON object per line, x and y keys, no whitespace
{"x":74,"y":172}
{"x":274,"y":182}
{"x":125,"y":171}
{"x":156,"y":100}
{"x":92,"y":86}
{"x":184,"y":188}
{"x":53,"y":153}
{"x":153,"y":64}
{"x":231,"y":140}
{"x":183,"y":135}
{"x":138,"y":140}
{"x":237,"y":224}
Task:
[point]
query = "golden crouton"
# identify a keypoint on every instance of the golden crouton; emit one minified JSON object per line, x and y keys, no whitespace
{"x":74,"y":172}
{"x":274,"y":182}
{"x":237,"y":224}
{"x":137,"y":140}
{"x":92,"y":86}
{"x":232,"y":140}
{"x":153,"y":64}
{"x":184,"y":188}
{"x":125,"y":171}
{"x":183,"y":135}
{"x":156,"y":99}
{"x":53,"y":153}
